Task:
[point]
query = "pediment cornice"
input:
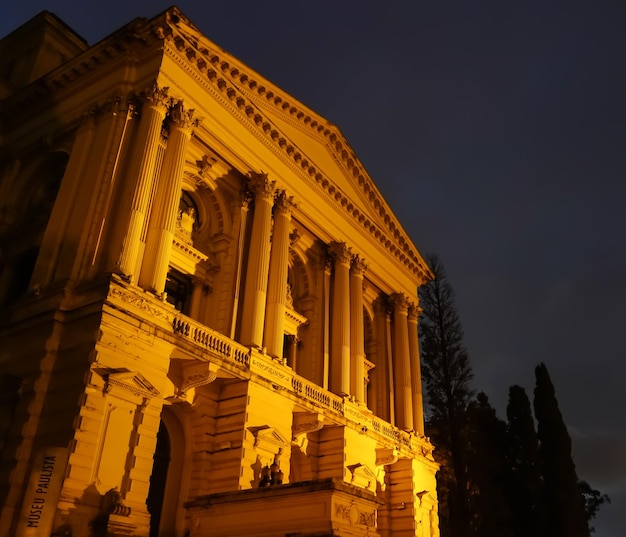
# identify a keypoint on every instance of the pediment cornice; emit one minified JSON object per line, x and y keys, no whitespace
{"x":251,"y":95}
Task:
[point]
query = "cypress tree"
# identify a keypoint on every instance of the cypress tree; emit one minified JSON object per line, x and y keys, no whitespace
{"x":565,"y":509}
{"x":524,"y":463}
{"x":488,"y":472}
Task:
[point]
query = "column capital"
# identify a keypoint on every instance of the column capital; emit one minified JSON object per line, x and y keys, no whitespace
{"x":340,"y":252}
{"x":400,"y":303}
{"x":156,"y":97}
{"x":260,"y":185}
{"x":358,"y":265}
{"x":283,"y":204}
{"x":414,"y":311}
{"x":182,"y":118}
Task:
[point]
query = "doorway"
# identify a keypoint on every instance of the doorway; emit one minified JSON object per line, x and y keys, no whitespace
{"x":158,"y":479}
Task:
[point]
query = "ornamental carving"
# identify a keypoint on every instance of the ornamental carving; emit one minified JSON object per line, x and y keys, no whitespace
{"x":181,"y":118}
{"x":400,"y":302}
{"x":385,"y":456}
{"x":306,"y":422}
{"x":156,"y":96}
{"x":358,"y":265}
{"x":138,"y":302}
{"x":260,"y":185}
{"x":355,"y":516}
{"x":414,"y":311}
{"x":341,"y":252}
{"x":283,"y":204}
{"x":204,"y":165}
{"x":131,"y":381}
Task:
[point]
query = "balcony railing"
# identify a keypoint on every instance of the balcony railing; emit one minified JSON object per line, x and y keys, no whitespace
{"x":211,"y":340}
{"x":282,"y":375}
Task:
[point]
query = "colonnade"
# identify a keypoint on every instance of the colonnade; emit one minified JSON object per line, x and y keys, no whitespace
{"x":146,"y":253}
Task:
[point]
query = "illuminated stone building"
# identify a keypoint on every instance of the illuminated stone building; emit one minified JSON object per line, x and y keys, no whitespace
{"x":208,"y":321}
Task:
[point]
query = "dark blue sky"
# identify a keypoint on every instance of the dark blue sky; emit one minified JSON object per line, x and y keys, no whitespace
{"x":497,"y":132}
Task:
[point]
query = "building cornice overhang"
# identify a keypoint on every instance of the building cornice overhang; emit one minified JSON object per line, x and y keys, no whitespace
{"x":124,"y":44}
{"x":246,"y":93}
{"x":249,"y":93}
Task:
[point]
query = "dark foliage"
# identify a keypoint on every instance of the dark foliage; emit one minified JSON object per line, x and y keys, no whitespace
{"x":593,"y":499}
{"x":565,"y":508}
{"x":496,"y":479}
{"x":524,"y":465}
{"x":488,"y":472}
{"x":447,"y":373}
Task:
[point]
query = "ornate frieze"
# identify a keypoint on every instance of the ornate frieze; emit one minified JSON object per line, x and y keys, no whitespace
{"x":138,"y":302}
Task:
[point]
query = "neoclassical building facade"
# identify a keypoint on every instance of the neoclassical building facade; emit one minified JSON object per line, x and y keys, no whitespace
{"x":208,"y":312}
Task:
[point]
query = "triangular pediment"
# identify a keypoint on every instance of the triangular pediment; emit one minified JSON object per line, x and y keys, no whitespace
{"x":316,"y":148}
{"x":131,"y":381}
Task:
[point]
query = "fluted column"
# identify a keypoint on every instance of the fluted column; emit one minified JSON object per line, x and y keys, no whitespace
{"x":142,"y":172}
{"x":340,"y":344}
{"x":391,"y":367}
{"x":402,"y":367}
{"x":277,"y":284}
{"x":416,"y":374}
{"x":240,"y":219}
{"x":255,"y":291}
{"x":357,"y":338}
{"x":327,"y":272}
{"x":167,"y":201}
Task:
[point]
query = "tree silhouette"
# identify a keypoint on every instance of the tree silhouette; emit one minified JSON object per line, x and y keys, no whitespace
{"x":488,"y":472}
{"x":524,"y":464}
{"x":447,"y":373}
{"x":565,"y":508}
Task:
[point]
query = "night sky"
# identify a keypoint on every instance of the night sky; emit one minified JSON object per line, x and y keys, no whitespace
{"x":496,"y":130}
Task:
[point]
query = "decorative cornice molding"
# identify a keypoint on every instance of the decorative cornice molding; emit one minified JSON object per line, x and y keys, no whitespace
{"x":234,"y":80}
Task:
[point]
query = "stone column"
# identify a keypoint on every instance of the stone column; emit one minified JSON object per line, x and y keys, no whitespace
{"x":391,"y":367}
{"x":142,"y":172}
{"x":199,"y":287}
{"x":292,"y":352}
{"x":167,"y":201}
{"x":401,"y":361}
{"x":340,"y":344}
{"x":416,"y":375}
{"x":327,"y":272}
{"x":357,"y":338}
{"x":240,"y":219}
{"x":277,"y":284}
{"x":255,"y":291}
